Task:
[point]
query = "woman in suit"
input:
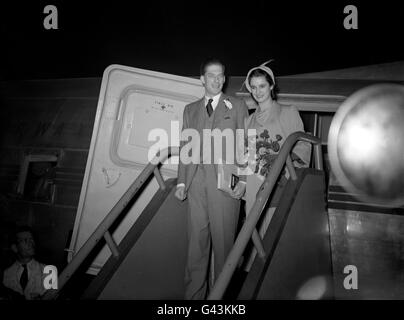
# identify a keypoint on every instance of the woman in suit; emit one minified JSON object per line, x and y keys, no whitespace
{"x":273,"y":123}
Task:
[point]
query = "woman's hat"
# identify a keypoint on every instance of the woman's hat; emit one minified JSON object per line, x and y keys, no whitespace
{"x":263,"y":68}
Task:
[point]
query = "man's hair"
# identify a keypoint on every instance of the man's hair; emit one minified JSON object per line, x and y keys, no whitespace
{"x":209,"y":62}
{"x":20,"y":229}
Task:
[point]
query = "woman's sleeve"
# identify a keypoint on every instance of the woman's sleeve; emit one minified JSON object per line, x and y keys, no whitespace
{"x":302,"y":149}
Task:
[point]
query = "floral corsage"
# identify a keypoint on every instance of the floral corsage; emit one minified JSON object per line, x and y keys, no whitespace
{"x":228,"y":104}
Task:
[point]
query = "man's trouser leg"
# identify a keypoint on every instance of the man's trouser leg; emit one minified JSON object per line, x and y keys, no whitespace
{"x":199,"y":241}
{"x":223,"y":212}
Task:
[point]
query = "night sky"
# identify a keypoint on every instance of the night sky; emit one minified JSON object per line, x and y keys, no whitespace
{"x":174,"y":37}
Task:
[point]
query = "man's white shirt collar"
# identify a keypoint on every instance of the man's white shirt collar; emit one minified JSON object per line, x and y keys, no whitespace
{"x":29,"y":263}
{"x":214,"y":102}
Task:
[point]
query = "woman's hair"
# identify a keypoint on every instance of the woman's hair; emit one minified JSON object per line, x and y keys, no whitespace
{"x":261,"y":73}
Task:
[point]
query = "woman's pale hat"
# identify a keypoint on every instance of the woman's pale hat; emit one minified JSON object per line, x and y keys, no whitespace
{"x":262,"y":67}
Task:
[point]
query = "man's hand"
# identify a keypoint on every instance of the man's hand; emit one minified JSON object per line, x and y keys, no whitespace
{"x":180,"y":193}
{"x":238,"y":190}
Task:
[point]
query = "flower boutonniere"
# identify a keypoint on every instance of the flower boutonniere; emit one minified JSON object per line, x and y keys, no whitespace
{"x":228,"y":104}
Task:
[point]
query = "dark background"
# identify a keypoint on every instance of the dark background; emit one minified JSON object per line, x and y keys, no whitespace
{"x":174,"y":36}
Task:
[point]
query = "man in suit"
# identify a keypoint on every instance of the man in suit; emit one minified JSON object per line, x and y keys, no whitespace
{"x":212,"y":213}
{"x":24,"y":279}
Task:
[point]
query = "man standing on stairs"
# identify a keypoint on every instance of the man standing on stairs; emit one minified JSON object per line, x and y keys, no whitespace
{"x":212,"y":213}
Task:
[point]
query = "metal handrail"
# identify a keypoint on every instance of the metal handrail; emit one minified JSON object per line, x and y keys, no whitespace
{"x":261,"y":199}
{"x":103,"y":228}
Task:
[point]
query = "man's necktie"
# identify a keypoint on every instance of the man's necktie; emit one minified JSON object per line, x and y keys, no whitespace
{"x":24,"y":277}
{"x":209,"y":107}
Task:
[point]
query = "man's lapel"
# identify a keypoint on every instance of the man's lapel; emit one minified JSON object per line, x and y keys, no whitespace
{"x":196,"y":115}
{"x":200,"y":115}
